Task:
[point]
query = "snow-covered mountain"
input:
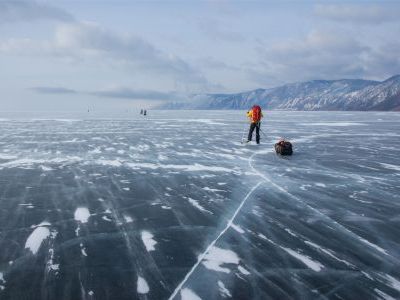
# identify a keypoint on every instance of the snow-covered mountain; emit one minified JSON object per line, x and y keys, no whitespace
{"x":344,"y":94}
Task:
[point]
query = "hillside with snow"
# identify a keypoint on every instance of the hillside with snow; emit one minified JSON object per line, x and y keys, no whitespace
{"x":341,"y":95}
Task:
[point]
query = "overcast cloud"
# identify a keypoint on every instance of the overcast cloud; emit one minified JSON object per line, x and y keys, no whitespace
{"x":364,"y":13}
{"x":115,"y":92}
{"x":322,"y":55}
{"x":20,"y":10}
{"x":53,"y":90}
{"x":90,"y":42}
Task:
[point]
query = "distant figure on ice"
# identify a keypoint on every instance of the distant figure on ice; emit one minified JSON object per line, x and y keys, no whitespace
{"x":254,"y":115}
{"x":145,"y":112}
{"x":141,"y":111}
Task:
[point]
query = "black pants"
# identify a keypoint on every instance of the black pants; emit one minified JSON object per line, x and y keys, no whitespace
{"x":257,"y":127}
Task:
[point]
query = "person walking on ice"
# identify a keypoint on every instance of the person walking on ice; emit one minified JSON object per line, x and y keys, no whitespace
{"x":254,"y":115}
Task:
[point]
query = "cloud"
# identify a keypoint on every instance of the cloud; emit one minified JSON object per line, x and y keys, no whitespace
{"x":320,"y":55}
{"x":130,"y":51}
{"x":116,"y":93}
{"x":361,"y":13}
{"x":20,"y":10}
{"x":88,"y":42}
{"x":52,"y":90}
{"x":128,"y":93}
{"x":215,"y":31}
{"x":213,"y":63}
{"x":90,"y":39}
{"x":383,"y":61}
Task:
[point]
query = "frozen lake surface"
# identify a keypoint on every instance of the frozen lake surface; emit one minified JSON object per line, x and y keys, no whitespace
{"x":174,"y":206}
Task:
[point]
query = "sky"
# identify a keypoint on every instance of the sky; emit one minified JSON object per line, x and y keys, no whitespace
{"x":76,"y":54}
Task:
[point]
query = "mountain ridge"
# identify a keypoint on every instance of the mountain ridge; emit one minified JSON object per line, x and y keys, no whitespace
{"x":341,"y":95}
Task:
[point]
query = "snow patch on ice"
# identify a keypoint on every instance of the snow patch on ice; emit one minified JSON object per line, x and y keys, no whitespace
{"x":82,"y":214}
{"x":66,"y":120}
{"x":196,"y":204}
{"x":187,"y":168}
{"x":393,"y":282}
{"x":367,"y":275}
{"x":237,"y":228}
{"x":95,"y":151}
{"x":390,"y":166}
{"x":265,"y":238}
{"x":7,"y":156}
{"x":2,"y":281}
{"x":383,"y":295}
{"x":305,"y":186}
{"x":188,"y":294}
{"x":27,"y":163}
{"x":204,"y":121}
{"x":328,"y":253}
{"x":106,"y":218}
{"x":140,"y":148}
{"x":83,"y":249}
{"x":243,"y":270}
{"x":207,"y":176}
{"x":54,"y":267}
{"x":50,"y":264}
{"x":223,"y":290}
{"x":335,"y":124}
{"x":212,"y":190}
{"x":256,"y":212}
{"x":162,"y":157}
{"x":216,"y":257}
{"x":148,"y":241}
{"x":45,"y":168}
{"x":107,"y":162}
{"x":373,"y":245}
{"x":356,"y":196}
{"x":142,"y":286}
{"x":128,"y":219}
{"x":36,"y":238}
{"x":290,"y":232}
{"x":312,"y":264}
